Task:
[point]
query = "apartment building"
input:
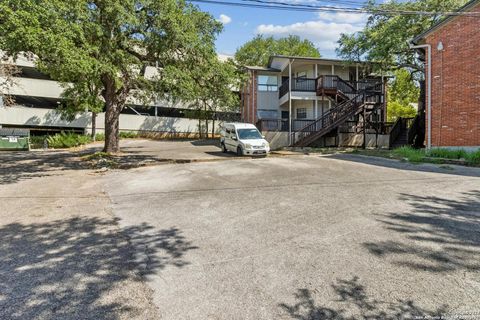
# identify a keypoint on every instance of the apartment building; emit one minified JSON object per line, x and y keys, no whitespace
{"x":37,"y":98}
{"x":313,"y":100}
{"x":453,"y":79}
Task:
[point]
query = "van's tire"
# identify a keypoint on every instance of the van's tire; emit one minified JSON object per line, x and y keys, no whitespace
{"x":224,"y":148}
{"x":239,"y":151}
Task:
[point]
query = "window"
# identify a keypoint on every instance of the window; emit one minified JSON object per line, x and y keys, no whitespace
{"x":302,"y":113}
{"x":267,"y":114}
{"x":267,"y":83}
{"x":248,"y":134}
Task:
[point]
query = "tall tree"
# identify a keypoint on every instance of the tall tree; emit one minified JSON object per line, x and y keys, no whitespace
{"x":385,"y":37}
{"x":257,"y":51}
{"x":402,"y":93}
{"x":83,"y":96}
{"x":110,"y":42}
{"x":215,"y":90}
{"x":402,"y":88}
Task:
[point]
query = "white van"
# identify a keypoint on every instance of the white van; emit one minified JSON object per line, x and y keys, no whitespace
{"x":243,"y":139}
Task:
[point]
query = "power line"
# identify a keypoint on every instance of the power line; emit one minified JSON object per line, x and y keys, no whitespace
{"x":275,"y":5}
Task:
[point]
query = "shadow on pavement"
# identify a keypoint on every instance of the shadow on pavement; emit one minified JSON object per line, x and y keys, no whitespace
{"x":78,"y":268}
{"x":18,"y":166}
{"x":206,"y":142}
{"x":355,"y":305}
{"x":395,"y":164}
{"x":441,"y":234}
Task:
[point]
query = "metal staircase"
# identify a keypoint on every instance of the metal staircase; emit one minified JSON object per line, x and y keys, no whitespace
{"x":348,"y":102}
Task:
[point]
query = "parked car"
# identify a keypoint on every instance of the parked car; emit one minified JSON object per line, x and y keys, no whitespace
{"x":243,"y":139}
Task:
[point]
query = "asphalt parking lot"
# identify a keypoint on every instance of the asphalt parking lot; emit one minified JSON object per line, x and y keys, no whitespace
{"x":306,"y":237}
{"x":301,"y":237}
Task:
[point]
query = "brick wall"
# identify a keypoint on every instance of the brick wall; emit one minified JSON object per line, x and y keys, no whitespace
{"x":456,"y":82}
{"x":249,"y":99}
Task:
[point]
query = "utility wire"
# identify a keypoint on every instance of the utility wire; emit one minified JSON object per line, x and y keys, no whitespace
{"x":274,"y":5}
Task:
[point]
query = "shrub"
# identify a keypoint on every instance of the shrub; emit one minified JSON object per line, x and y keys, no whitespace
{"x":67,"y":140}
{"x":100,"y":137}
{"x":128,"y":135}
{"x":37,"y":142}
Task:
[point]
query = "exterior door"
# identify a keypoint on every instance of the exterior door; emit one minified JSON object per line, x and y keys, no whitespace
{"x":285,"y":117}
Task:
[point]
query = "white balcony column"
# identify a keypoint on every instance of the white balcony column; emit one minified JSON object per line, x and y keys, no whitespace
{"x":290,"y":101}
{"x":333,"y":70}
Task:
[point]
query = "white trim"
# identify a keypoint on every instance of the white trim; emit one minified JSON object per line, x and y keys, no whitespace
{"x":429,"y":91}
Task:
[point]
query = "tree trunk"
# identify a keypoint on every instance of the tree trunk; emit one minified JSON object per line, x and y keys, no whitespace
{"x":213,"y":128}
{"x":199,"y":128}
{"x":94,"y":125}
{"x":114,"y":103}
{"x":206,"y":128}
{"x":112,"y":130}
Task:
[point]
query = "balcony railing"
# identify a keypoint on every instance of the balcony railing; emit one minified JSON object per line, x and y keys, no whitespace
{"x":298,"y":84}
{"x":282,"y":124}
{"x":272,"y":125}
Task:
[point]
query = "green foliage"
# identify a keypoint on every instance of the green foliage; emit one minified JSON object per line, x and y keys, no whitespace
{"x":402,"y":92}
{"x":37,"y":142}
{"x":385,"y":37}
{"x":212,"y":91}
{"x":422,"y":155}
{"x":257,"y":51}
{"x":403,"y":89}
{"x":67,"y":140}
{"x":397,"y":110}
{"x":100,"y":137}
{"x":413,"y":155}
{"x":471,"y":157}
{"x":128,"y":135}
{"x":103,"y":48}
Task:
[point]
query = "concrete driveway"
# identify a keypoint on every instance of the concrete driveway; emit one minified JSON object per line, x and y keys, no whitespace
{"x":174,"y":150}
{"x":310,"y":237}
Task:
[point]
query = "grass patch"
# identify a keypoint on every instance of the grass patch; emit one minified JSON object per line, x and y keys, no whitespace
{"x":412,"y":155}
{"x":437,"y":155}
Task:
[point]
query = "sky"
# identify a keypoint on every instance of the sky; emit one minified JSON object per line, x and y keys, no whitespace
{"x":322,"y":28}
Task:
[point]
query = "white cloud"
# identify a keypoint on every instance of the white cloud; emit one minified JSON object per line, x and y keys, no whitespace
{"x":224,"y":19}
{"x":343,"y":17}
{"x":324,"y":33}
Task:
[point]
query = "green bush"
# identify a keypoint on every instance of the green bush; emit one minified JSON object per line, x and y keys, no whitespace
{"x":37,"y":142}
{"x":100,"y":137}
{"x":67,"y":140}
{"x":128,"y":135}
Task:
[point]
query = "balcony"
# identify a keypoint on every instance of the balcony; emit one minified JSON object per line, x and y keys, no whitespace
{"x":334,"y":85}
{"x":298,"y":84}
{"x":281,"y":125}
